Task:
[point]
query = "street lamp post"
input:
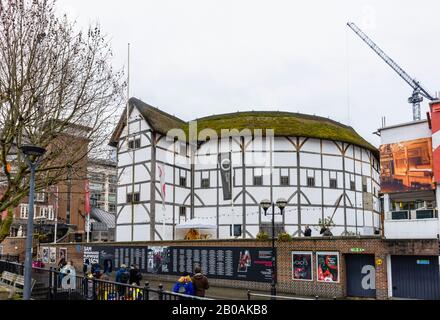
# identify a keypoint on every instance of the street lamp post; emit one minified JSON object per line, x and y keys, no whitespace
{"x":265,"y":205}
{"x":32,"y":156}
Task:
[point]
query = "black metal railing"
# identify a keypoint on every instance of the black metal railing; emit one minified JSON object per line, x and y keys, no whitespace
{"x":52,"y":284}
{"x":10,"y":257}
{"x":260,"y":296}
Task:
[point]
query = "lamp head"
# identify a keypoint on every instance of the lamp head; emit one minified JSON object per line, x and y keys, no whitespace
{"x":30,"y":150}
{"x":281,"y":203}
{"x":265,"y":204}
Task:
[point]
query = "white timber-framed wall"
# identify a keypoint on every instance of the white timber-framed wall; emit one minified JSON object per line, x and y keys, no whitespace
{"x":353,"y":201}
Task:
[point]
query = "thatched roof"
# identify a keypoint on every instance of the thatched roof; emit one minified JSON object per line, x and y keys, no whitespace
{"x":283,"y":124}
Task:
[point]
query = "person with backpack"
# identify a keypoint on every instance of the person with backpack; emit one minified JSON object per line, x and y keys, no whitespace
{"x":184,"y":285}
{"x":122,"y":276}
{"x":96,"y":270}
{"x":135,"y":275}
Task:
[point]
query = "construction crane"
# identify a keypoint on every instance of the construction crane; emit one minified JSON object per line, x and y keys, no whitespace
{"x":418,"y":91}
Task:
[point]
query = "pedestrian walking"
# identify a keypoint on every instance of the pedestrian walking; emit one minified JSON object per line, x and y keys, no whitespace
{"x":135,"y":275}
{"x":200,"y":282}
{"x":86,"y":267}
{"x":122,"y":276}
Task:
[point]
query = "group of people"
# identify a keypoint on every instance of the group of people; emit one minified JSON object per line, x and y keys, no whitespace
{"x":324,"y":231}
{"x":130,"y":278}
{"x":193,"y":286}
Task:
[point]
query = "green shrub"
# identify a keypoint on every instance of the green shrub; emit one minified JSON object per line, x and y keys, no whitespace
{"x":262,"y":236}
{"x":284,"y":237}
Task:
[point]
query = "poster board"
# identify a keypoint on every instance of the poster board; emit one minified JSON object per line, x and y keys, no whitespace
{"x":62,"y":253}
{"x":327,"y":267}
{"x":52,"y":255}
{"x":45,"y":254}
{"x":302,"y":265}
{"x":234,"y":263}
{"x":118,"y":255}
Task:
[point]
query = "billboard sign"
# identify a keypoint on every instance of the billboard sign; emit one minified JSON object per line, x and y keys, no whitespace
{"x":406,"y":166}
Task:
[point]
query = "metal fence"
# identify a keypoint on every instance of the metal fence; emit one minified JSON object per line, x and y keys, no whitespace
{"x":10,"y":257}
{"x":50,"y":284}
{"x":259,"y":296}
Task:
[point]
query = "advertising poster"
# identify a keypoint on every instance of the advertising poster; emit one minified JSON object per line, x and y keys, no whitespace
{"x":45,"y":254}
{"x":302,"y":266}
{"x":327,"y":266}
{"x":52,"y":255}
{"x":158,"y":260}
{"x":62,"y":253}
{"x":406,"y":166}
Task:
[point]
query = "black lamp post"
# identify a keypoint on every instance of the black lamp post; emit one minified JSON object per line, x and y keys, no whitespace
{"x":265,"y":205}
{"x":32,"y":156}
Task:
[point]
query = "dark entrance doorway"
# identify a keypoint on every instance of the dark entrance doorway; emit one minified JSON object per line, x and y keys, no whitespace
{"x":361,"y":275}
{"x":415,"y":277}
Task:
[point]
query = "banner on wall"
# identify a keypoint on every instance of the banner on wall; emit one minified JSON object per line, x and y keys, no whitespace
{"x":52,"y":255}
{"x":117,"y":256}
{"x":406,"y":166}
{"x":45,"y":254}
{"x":225,"y":164}
{"x":158,"y":260}
{"x":247,"y":264}
{"x":302,"y":266}
{"x":327,"y":266}
{"x":62,"y":254}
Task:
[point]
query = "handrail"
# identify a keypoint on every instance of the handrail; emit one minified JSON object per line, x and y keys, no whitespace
{"x":250,"y":294}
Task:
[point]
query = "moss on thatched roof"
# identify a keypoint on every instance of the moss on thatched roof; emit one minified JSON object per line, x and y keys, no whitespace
{"x":283,"y":124}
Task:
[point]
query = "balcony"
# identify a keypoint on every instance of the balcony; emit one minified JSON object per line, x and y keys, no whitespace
{"x":412,"y":224}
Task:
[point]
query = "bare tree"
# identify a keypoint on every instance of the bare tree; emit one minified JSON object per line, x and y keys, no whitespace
{"x":57,"y":90}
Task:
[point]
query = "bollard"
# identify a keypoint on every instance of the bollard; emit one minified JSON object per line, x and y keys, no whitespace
{"x":147,"y":290}
{"x":249,"y":294}
{"x":160,"y":291}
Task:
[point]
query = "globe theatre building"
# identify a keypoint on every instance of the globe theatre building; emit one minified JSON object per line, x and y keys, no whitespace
{"x":169,"y":172}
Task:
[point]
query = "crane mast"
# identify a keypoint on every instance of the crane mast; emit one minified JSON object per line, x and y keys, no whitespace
{"x":418,"y":91}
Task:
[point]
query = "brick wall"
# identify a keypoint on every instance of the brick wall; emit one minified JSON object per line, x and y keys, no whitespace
{"x":371,"y":245}
{"x":14,"y":246}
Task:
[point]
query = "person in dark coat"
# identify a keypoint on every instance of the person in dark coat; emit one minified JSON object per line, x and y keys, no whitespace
{"x":86,"y":267}
{"x":135,"y":275}
{"x":307,"y":232}
{"x":200,"y":282}
{"x":122,"y":276}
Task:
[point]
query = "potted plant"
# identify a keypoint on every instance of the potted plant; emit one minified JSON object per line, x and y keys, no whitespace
{"x":325,"y":225}
{"x":262,"y":236}
{"x":284,"y":237}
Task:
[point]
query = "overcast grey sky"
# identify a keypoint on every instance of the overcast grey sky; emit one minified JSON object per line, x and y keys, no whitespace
{"x":195,"y":58}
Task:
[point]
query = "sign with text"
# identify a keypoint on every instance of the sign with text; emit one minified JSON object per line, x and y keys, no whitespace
{"x":248,"y":264}
{"x":118,"y":256}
